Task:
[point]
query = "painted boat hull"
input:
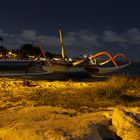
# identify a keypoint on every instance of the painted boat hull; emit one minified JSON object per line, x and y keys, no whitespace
{"x":56,"y":68}
{"x":91,"y":69}
{"x":102,"y":70}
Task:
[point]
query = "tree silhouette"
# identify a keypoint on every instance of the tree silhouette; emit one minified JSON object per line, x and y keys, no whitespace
{"x":30,"y":49}
{"x":3,"y":50}
{"x":1,"y":40}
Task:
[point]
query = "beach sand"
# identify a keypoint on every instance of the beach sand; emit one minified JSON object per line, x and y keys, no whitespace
{"x":21,"y":119}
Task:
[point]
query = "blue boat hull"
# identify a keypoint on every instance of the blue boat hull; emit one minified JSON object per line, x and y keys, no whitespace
{"x":6,"y":65}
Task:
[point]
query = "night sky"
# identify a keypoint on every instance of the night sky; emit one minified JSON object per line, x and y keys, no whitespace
{"x":88,"y":26}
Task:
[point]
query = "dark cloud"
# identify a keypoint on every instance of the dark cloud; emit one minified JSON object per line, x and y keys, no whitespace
{"x":29,"y":34}
{"x":81,"y":42}
{"x":127,"y":42}
{"x":131,"y":36}
{"x":111,"y":36}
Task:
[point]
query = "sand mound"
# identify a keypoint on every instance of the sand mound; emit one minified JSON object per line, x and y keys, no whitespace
{"x":51,"y":123}
{"x":127,"y":123}
{"x":55,"y":123}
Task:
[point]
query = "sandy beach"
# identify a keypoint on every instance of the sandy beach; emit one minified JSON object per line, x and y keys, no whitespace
{"x":69,"y":70}
{"x":64,"y":110}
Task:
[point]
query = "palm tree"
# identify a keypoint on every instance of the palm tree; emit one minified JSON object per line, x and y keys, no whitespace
{"x":1,"y":39}
{"x":30,"y":49}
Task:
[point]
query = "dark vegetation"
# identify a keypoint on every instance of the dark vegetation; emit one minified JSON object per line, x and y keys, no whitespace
{"x":117,"y":90}
{"x":27,"y":50}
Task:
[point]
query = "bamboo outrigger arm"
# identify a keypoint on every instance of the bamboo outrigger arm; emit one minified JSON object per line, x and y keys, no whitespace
{"x":78,"y":62}
{"x":95,"y":56}
{"x":47,"y":60}
{"x":91,"y":58}
{"x":62,"y":44}
{"x":104,"y":53}
{"x":114,"y":57}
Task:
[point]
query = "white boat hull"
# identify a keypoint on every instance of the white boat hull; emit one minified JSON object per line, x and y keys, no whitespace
{"x":102,"y":70}
{"x":55,"y":68}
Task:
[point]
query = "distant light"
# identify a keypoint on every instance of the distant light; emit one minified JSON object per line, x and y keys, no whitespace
{"x":9,"y":52}
{"x":70,"y":59}
{"x":56,"y":59}
{"x":42,"y":59}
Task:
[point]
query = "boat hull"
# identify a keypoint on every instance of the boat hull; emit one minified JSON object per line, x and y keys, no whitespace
{"x":14,"y":64}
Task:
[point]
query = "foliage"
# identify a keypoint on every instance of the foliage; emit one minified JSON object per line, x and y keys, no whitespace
{"x":30,"y":49}
{"x":3,"y":50}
